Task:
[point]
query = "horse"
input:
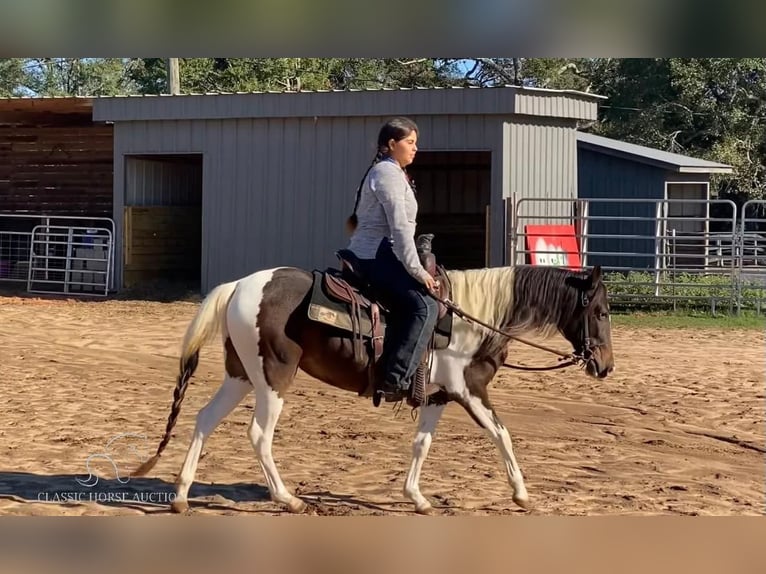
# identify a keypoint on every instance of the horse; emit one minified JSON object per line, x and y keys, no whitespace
{"x":267,"y":334}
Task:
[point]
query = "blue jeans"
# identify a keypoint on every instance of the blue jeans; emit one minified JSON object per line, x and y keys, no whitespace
{"x":412,"y":319}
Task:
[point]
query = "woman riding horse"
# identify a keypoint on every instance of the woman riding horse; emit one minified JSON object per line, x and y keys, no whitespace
{"x":383,"y":239}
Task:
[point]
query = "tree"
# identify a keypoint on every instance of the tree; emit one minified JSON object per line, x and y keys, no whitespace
{"x":205,"y":75}
{"x":11,"y":76}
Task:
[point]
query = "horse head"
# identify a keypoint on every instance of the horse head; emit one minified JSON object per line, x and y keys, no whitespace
{"x":589,"y":328}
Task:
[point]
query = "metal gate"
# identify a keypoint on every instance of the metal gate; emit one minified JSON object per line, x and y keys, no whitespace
{"x":65,"y":259}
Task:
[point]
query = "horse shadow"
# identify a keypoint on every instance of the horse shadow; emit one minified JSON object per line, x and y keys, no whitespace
{"x":154,"y":495}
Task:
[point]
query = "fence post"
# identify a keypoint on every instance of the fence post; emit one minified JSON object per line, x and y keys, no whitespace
{"x":673,"y":268}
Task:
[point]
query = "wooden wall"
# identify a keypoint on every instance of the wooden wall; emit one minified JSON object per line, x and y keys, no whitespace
{"x":56,"y":169}
{"x":162,"y":242}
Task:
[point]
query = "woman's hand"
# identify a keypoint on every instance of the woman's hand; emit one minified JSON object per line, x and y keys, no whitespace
{"x":431,"y":283}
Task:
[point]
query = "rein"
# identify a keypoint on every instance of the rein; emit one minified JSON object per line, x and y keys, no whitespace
{"x":569,"y":359}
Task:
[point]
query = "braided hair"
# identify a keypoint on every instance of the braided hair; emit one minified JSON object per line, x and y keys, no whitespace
{"x":394,"y":129}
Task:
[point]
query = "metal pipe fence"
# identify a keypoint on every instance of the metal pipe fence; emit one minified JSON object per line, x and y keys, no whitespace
{"x":57,"y":254}
{"x":669,"y":253}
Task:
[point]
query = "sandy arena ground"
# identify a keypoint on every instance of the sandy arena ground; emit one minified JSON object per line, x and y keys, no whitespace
{"x":678,"y":429}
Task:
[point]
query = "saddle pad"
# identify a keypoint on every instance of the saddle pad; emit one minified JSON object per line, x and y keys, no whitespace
{"x":324,"y":309}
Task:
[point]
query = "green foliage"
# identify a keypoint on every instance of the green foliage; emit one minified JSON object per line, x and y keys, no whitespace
{"x":711,"y":108}
{"x":205,"y":75}
{"x":11,"y":76}
{"x":75,"y":77}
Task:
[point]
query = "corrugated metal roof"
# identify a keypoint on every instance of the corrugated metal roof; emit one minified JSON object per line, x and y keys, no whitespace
{"x":505,"y":100}
{"x":518,"y":89}
{"x":674,"y":161}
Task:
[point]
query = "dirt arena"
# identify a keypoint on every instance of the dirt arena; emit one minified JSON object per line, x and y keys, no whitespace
{"x":678,"y":428}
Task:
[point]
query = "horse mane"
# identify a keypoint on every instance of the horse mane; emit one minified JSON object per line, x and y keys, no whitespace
{"x":486,"y":294}
{"x":516,"y":300}
{"x":544,"y":301}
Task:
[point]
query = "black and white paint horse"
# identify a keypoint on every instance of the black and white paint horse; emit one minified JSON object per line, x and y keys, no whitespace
{"x":267,"y":336}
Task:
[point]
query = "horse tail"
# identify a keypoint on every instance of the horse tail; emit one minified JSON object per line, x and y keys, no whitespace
{"x":202,"y":328}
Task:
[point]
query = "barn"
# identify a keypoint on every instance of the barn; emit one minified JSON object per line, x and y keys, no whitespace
{"x":641,"y":199}
{"x":211,"y":187}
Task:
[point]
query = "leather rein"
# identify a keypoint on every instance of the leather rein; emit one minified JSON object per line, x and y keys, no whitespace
{"x":569,"y":359}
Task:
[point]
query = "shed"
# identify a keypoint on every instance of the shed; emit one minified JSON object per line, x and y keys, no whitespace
{"x":637,"y":197}
{"x":55,"y":186}
{"x":215,"y":186}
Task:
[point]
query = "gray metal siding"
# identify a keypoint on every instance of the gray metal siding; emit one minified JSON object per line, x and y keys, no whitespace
{"x":369,"y":103}
{"x":606,"y":176}
{"x":541,"y":164}
{"x":157,"y":182}
{"x":278,"y":191}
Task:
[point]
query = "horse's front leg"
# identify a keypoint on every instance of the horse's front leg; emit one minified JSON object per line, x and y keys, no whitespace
{"x":484,"y":414}
{"x":429,"y":418}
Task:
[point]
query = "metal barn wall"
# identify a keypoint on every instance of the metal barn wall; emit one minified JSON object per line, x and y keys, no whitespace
{"x":540,"y":163}
{"x":280,"y":169}
{"x":543,"y":161}
{"x":277,"y":191}
{"x":162,"y":182}
{"x":605,"y":176}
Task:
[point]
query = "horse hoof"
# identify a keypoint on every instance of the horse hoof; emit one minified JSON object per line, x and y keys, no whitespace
{"x":522,"y":501}
{"x":425,"y":509}
{"x":296,"y":506}
{"x":179,"y":506}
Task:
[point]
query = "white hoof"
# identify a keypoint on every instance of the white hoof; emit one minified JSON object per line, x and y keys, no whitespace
{"x":296,"y":506}
{"x":179,"y":506}
{"x":425,"y":509}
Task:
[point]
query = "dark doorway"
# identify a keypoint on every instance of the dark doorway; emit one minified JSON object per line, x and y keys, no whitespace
{"x":162,"y":239}
{"x":453,"y":190}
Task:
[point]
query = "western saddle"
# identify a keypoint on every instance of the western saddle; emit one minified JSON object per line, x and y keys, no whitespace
{"x":343,"y":298}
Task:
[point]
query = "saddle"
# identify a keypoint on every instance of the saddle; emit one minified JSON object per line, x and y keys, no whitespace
{"x":343,"y":298}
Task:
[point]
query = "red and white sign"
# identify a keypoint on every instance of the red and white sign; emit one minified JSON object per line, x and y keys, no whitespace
{"x":554,"y":245}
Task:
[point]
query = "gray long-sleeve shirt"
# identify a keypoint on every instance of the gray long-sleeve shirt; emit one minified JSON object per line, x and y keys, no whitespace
{"x":387,"y":208}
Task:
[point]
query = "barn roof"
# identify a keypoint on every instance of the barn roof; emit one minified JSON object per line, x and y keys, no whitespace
{"x":673,"y":161}
{"x":505,"y":100}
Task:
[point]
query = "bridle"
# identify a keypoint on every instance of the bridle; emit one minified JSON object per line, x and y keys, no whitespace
{"x":568,"y":359}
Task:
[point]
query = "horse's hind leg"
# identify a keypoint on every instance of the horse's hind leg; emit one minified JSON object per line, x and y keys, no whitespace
{"x":228,"y":396}
{"x":429,"y":418}
{"x":268,"y":407}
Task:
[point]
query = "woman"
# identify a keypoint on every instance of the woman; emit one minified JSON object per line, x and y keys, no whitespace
{"x":383,"y":238}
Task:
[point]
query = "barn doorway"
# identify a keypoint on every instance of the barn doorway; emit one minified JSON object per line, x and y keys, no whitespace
{"x":162,"y":230}
{"x":454,"y":192}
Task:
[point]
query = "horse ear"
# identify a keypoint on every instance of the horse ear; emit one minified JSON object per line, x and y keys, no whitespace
{"x":580,"y":283}
{"x":595,"y":275}
{"x":588,"y":282}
